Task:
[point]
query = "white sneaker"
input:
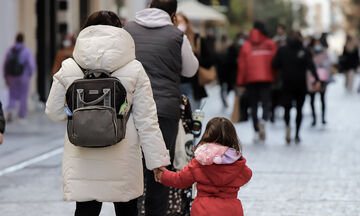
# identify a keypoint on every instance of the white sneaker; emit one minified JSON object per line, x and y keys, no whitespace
{"x":262,"y":134}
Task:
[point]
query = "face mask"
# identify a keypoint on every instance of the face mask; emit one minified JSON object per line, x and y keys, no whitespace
{"x":66,"y":43}
{"x":318,"y":48}
{"x":182,"y":27}
{"x":241,"y":42}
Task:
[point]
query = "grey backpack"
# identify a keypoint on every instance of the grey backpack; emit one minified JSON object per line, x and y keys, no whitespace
{"x":97,"y":109}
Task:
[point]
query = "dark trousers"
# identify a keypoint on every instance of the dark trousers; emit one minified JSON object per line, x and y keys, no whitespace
{"x":157,"y":195}
{"x":275,"y":101}
{"x":244,"y":106}
{"x":259,"y":92}
{"x":299,"y":99}
{"x":93,"y":208}
{"x":312,"y":101}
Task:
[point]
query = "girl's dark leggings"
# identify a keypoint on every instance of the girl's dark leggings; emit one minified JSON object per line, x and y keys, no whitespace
{"x":312,"y":103}
{"x":300,"y":99}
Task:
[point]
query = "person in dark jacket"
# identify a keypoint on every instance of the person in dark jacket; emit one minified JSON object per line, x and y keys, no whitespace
{"x":166,"y":54}
{"x":2,"y":124}
{"x":350,"y":62}
{"x":232,"y":61}
{"x":223,"y":69}
{"x":293,"y":61}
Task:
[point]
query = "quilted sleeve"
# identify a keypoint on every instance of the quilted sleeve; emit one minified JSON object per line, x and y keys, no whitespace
{"x":55,"y":104}
{"x":146,"y":122}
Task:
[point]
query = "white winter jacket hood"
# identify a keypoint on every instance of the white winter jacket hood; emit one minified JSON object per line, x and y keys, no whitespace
{"x":114,"y":173}
{"x":104,"y":47}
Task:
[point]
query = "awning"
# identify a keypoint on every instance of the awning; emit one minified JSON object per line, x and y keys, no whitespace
{"x":197,"y":12}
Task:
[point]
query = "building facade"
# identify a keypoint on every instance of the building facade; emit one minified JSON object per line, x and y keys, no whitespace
{"x":44,"y":23}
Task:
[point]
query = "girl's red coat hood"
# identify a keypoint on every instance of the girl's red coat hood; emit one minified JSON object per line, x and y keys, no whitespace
{"x":224,"y":174}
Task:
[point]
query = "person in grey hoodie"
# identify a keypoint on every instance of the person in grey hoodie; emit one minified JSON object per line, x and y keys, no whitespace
{"x":166,"y":54}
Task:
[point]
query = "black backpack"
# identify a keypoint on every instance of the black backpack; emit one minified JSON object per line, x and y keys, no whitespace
{"x":97,"y":109}
{"x":13,"y":66}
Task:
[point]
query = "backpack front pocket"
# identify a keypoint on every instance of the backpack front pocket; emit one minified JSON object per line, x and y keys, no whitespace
{"x":94,"y":126}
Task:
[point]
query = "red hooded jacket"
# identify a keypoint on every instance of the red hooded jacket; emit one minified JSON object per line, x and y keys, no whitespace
{"x":217,"y":186}
{"x":254,"y":63}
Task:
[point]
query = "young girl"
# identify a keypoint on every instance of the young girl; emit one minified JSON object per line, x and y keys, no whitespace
{"x":218,"y":169}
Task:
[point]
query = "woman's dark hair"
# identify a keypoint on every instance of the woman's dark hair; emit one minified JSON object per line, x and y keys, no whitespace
{"x":19,"y":38}
{"x":222,"y":131}
{"x":103,"y":18}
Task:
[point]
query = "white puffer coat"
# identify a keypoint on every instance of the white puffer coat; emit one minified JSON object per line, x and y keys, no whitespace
{"x":115,"y":173}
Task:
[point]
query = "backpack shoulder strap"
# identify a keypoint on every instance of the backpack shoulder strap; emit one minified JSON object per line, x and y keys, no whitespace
{"x":128,"y":114}
{"x":82,"y":69}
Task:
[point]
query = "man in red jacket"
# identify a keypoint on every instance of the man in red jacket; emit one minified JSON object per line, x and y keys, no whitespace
{"x":255,"y":74}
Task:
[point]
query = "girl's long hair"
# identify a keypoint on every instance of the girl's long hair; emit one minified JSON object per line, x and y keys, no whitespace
{"x":221,"y":131}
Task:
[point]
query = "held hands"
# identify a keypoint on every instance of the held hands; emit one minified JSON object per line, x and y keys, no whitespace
{"x":158,"y":173}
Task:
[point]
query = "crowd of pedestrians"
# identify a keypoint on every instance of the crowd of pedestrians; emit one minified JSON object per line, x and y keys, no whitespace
{"x":158,"y":57}
{"x":281,"y":72}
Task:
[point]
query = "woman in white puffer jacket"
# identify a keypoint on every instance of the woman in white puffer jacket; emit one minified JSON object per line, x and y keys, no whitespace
{"x":111,"y":174}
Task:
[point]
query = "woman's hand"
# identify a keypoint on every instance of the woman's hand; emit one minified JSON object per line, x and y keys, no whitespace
{"x":1,"y":138}
{"x":158,"y":173}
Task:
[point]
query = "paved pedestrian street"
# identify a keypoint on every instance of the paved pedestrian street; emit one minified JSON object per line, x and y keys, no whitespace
{"x":319,"y":177}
